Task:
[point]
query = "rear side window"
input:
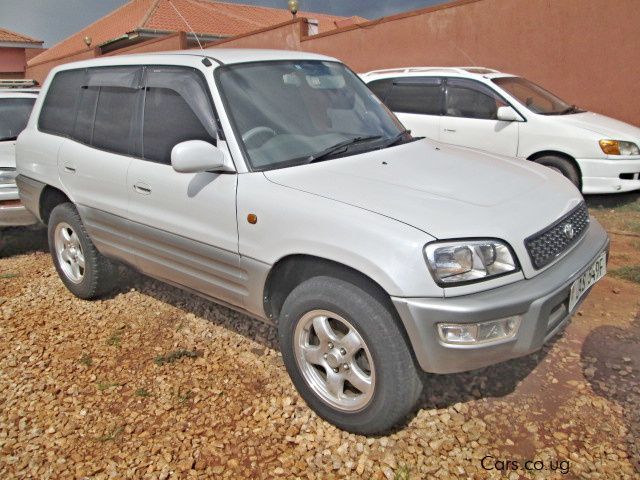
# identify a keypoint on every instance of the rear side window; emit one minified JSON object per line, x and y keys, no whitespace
{"x":177,"y":108}
{"x":416,"y":95}
{"x":118,"y":93}
{"x":381,"y":87}
{"x":58,"y":111}
{"x":14,"y":114}
{"x":470,"y":99}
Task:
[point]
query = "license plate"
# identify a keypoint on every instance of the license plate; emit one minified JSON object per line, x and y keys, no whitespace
{"x":594,"y":273}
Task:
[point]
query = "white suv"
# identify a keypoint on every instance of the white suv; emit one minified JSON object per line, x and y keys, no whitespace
{"x":508,"y":115}
{"x":15,"y":108}
{"x":276,"y":183}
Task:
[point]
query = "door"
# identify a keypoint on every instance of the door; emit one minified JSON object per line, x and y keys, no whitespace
{"x":94,"y":160}
{"x":416,"y":101}
{"x":470,"y":118}
{"x":183,"y":225}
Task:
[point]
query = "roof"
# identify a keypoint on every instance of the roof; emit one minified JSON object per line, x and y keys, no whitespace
{"x":226,"y":56}
{"x":14,"y":37}
{"x":433,"y":71}
{"x":204,"y":16}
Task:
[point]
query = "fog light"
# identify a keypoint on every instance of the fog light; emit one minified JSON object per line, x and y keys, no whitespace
{"x":473,"y":333}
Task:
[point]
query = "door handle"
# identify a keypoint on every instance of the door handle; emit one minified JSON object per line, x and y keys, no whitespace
{"x":69,"y":169}
{"x":449,"y":130}
{"x":142,"y":188}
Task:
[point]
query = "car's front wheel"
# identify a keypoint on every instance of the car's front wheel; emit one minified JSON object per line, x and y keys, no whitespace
{"x":562,"y":166}
{"x":83,"y":270}
{"x":347,"y":355}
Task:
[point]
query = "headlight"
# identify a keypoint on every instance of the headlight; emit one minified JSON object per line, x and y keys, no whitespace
{"x":7,"y":176}
{"x":465,"y":261}
{"x":619,"y":147}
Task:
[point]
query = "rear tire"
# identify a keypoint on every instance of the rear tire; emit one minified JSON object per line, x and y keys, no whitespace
{"x":83,"y":270}
{"x":347,"y":355}
{"x":563,"y":166}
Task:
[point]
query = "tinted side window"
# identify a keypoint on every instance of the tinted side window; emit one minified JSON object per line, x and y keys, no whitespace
{"x":86,"y":113}
{"x":469,"y":99}
{"x":177,"y":108}
{"x":14,"y":114}
{"x":416,"y":95}
{"x":381,"y":87}
{"x":112,"y":129}
{"x":58,"y":111}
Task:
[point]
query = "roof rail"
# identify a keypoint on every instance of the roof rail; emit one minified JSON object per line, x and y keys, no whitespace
{"x":432,"y":69}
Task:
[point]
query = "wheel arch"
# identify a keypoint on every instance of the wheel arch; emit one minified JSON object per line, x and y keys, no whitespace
{"x":556,"y":153}
{"x":50,"y":197}
{"x":290,"y":271}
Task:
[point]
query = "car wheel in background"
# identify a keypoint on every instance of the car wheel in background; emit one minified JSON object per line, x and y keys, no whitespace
{"x":563,"y":166}
{"x":83,"y":270}
{"x":347,"y":355}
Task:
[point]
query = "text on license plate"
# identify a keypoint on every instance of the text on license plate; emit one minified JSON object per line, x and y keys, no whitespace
{"x":594,"y":273}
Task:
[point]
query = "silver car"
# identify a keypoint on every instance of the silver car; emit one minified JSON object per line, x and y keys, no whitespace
{"x":276,"y":183}
{"x":15,"y":108}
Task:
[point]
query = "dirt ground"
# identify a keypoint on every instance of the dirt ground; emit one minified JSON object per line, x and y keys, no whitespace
{"x":151,"y":382}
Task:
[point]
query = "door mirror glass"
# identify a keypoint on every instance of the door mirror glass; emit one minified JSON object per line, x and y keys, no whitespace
{"x":194,"y":156}
{"x":508,"y":114}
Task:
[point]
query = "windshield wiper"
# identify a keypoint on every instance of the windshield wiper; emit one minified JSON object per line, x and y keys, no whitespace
{"x":323,"y":154}
{"x":571,"y":109}
{"x":8,"y":139}
{"x":396,"y":139}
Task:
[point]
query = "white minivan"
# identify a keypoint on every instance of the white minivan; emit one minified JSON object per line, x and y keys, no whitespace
{"x":508,"y":115}
{"x":275,"y":183}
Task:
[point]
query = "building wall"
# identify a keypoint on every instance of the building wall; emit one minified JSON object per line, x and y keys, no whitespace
{"x":586,"y":51}
{"x":12,"y":62}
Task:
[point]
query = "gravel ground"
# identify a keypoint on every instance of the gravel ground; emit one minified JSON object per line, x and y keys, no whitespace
{"x":151,"y":382}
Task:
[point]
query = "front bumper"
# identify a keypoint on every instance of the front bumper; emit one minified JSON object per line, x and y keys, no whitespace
{"x":542,"y":301}
{"x":610,"y":176}
{"x":14,"y":215}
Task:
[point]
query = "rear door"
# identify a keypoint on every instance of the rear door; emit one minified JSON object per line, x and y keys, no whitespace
{"x":417,"y":101}
{"x":93,"y":162}
{"x":470,"y":118}
{"x":183,"y":225}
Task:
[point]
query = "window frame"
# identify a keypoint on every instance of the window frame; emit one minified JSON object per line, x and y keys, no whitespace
{"x":217,"y":126}
{"x":139,"y":109}
{"x":418,"y":80}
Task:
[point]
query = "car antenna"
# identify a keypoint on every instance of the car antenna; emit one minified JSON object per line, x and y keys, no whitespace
{"x":187,"y":24}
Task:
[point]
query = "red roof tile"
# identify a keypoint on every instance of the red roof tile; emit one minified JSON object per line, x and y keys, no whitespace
{"x":204,"y":17}
{"x":13,"y":37}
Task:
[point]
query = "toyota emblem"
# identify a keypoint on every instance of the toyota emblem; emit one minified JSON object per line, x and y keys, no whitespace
{"x":568,"y":231}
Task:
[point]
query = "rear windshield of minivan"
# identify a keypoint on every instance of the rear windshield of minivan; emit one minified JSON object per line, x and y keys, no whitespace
{"x":14,"y":114}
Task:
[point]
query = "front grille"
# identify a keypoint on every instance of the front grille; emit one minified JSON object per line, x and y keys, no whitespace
{"x":545,"y":246}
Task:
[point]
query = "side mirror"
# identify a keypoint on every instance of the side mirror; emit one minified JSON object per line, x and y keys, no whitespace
{"x":508,"y":114}
{"x":195,"y":156}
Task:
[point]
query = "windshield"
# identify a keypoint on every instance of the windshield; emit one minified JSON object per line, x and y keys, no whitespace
{"x":288,"y":113}
{"x":14,"y":114}
{"x":534,"y":97}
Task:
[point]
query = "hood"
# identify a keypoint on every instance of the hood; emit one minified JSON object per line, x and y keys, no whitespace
{"x":607,"y":127}
{"x":445,"y":191}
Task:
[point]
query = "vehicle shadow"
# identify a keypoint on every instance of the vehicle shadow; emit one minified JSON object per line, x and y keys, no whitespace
{"x":440,"y":391}
{"x":612,"y":200}
{"x":611,"y":364}
{"x":23,"y":240}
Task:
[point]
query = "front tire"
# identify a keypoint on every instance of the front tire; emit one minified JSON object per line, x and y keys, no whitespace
{"x":562,"y":166}
{"x":347,"y":355}
{"x":83,"y":270}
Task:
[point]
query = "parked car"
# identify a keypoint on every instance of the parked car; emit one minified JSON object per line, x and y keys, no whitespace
{"x":512,"y":116}
{"x":275,"y":183}
{"x":15,"y":108}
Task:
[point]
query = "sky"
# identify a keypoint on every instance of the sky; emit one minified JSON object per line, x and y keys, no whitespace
{"x":55,"y":20}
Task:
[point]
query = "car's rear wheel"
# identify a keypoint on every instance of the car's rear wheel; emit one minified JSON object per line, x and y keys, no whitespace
{"x":562,"y":166}
{"x":83,"y":270}
{"x":347,"y":355}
